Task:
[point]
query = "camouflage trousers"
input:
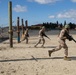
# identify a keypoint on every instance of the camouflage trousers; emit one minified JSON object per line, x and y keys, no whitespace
{"x":62,"y":44}
{"x":25,"y":38}
{"x":39,"y":41}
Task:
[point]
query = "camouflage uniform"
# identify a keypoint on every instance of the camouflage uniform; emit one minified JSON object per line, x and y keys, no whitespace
{"x":41,"y":37}
{"x":26,"y":35}
{"x":62,"y":42}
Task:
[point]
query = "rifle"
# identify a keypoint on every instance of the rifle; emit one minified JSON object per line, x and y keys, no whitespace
{"x":43,"y":34}
{"x":69,"y":37}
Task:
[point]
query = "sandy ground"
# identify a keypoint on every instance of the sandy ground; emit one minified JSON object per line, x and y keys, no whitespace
{"x":24,"y":59}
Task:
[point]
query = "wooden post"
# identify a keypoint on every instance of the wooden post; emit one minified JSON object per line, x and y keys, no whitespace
{"x":18,"y":30}
{"x":22,"y":27}
{"x":26,"y":23}
{"x":10,"y":23}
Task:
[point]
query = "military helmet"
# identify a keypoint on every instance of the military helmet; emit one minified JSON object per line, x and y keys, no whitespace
{"x":67,"y":26}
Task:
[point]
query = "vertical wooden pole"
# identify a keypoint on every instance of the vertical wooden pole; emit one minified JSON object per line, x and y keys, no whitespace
{"x":18,"y":30}
{"x":10,"y":23}
{"x":26,"y":23}
{"x":22,"y":26}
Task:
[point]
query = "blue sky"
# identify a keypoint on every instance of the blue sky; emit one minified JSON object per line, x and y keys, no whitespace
{"x":39,"y":11}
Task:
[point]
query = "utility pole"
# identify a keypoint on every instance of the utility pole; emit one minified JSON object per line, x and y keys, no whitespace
{"x":26,"y":23}
{"x":22,"y":27}
{"x":10,"y":23}
{"x":18,"y":30}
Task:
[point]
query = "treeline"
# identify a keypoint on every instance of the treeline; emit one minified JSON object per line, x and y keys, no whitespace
{"x":58,"y":26}
{"x":48,"y":25}
{"x":54,"y":26}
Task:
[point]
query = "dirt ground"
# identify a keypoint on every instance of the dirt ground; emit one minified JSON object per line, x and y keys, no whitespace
{"x":24,"y":59}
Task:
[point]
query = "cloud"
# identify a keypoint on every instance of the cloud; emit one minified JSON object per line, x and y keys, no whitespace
{"x":44,"y":1}
{"x":51,"y":16}
{"x":65,"y":15}
{"x":68,"y":14}
{"x":19,"y":8}
{"x":73,"y":0}
{"x":71,"y":14}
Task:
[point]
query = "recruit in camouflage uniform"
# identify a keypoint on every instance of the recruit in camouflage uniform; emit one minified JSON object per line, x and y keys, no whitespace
{"x":41,"y":37}
{"x":62,"y":42}
{"x":25,"y":36}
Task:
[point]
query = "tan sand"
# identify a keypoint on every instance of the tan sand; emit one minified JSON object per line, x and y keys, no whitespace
{"x":24,"y":59}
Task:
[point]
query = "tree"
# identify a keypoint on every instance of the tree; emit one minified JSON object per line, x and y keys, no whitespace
{"x":64,"y":23}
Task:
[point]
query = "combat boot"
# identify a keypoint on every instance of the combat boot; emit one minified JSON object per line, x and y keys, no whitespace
{"x":66,"y":58}
{"x":35,"y":46}
{"x":42,"y":46}
{"x":50,"y":52}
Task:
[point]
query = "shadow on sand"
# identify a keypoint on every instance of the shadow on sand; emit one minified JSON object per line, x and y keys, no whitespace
{"x":36,"y":59}
{"x":43,"y":47}
{"x":72,"y":58}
